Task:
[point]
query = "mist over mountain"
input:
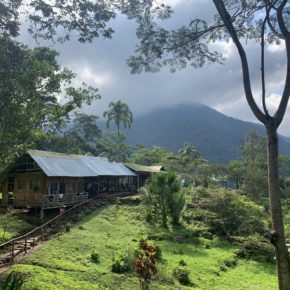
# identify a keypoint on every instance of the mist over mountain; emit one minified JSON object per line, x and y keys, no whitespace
{"x":217,"y":136}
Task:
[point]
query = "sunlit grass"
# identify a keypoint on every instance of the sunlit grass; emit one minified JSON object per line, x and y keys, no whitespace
{"x":64,"y":262}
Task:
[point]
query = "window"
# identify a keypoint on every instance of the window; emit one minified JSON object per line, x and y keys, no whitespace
{"x":34,"y":184}
{"x":62,"y":187}
{"x":21,"y":182}
{"x":52,"y":189}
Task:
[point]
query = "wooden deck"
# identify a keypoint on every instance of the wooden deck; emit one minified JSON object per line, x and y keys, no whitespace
{"x":51,"y":201}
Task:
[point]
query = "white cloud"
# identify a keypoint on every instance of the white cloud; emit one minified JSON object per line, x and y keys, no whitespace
{"x":103,"y":64}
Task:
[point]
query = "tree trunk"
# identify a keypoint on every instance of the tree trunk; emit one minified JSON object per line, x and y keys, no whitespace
{"x":119,"y":147}
{"x":277,"y":233}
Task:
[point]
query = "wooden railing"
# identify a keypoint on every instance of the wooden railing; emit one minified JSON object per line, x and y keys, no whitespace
{"x":32,"y":236}
{"x":58,"y":200}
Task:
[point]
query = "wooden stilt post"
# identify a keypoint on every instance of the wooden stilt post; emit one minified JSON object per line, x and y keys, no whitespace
{"x":5,"y":192}
{"x":130,"y":184}
{"x":12,"y":252}
{"x":41,"y":213}
{"x":42,"y":234}
{"x":25,"y":245}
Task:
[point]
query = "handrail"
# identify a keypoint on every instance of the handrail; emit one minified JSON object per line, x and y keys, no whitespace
{"x":50,"y":221}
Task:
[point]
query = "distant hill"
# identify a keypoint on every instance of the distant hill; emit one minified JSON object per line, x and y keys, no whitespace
{"x":217,"y":136}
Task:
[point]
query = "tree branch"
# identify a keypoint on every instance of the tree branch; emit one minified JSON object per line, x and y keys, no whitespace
{"x":245,"y":67}
{"x":263,"y":64}
{"x":278,"y":117}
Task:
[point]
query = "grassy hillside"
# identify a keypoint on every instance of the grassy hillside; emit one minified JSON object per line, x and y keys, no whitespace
{"x":11,"y":226}
{"x":64,"y":262}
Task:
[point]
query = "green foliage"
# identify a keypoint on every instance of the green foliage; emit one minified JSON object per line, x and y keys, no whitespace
{"x":236,"y":172}
{"x":254,"y":155}
{"x":62,"y":263}
{"x":13,"y":281}
{"x":255,"y":247}
{"x":155,"y":155}
{"x":37,"y":74}
{"x":79,"y":139}
{"x":120,"y":114}
{"x":145,"y":264}
{"x":165,"y":198}
{"x":95,"y":257}
{"x":12,"y":225}
{"x":182,"y":274}
{"x":226,"y":213}
{"x":122,"y":263}
{"x":113,"y":146}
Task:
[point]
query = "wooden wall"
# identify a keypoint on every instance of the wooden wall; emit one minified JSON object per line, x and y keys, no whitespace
{"x":30,"y":188}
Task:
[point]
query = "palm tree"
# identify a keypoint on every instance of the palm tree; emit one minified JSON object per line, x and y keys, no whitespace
{"x":119,"y":113}
{"x":189,"y":151}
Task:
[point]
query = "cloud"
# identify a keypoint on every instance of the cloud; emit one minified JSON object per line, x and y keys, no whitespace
{"x":103,"y":64}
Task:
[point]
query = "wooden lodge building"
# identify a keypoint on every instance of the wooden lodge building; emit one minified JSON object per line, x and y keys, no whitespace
{"x":143,"y":172}
{"x":41,"y":179}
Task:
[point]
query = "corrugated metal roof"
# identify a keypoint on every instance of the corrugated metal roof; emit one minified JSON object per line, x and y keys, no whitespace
{"x":69,"y":165}
{"x":143,"y":168}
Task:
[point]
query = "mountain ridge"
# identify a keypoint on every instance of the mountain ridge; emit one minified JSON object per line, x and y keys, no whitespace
{"x":217,"y":136}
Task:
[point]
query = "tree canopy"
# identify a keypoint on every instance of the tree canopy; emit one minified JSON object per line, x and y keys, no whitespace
{"x":31,"y":82}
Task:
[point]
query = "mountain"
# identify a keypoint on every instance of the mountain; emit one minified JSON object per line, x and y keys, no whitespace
{"x":217,"y":136}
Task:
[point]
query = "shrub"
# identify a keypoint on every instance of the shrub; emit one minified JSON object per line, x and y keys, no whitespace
{"x":255,"y":247}
{"x":122,"y":263}
{"x":95,"y":257}
{"x":145,"y":265}
{"x":67,"y":227}
{"x":182,"y":263}
{"x":231,"y":263}
{"x":226,"y":213}
{"x":13,"y":281}
{"x":158,"y":253}
{"x":181,"y":273}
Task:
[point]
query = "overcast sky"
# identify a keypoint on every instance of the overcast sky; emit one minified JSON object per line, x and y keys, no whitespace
{"x":103,"y":64}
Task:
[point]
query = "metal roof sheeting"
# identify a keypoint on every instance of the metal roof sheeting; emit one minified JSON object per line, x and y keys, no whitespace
{"x":69,"y":165}
{"x":145,"y":169}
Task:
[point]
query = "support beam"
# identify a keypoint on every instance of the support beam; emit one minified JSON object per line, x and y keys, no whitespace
{"x":5,"y":192}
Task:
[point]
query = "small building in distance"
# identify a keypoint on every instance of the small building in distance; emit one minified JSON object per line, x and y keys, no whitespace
{"x":144,"y":172}
{"x":42,"y":179}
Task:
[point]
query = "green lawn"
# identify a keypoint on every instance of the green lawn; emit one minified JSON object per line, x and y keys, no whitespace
{"x":11,"y":226}
{"x":64,"y":262}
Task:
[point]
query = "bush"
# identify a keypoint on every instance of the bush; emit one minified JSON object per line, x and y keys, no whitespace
{"x":158,"y":253}
{"x":226,"y":213}
{"x":95,"y":257}
{"x":231,"y":263}
{"x":181,"y":273}
{"x":13,"y":281}
{"x":255,"y":247}
{"x":122,"y":263}
{"x":67,"y":227}
{"x":145,"y":265}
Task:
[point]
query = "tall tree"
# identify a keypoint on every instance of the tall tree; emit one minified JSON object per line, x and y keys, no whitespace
{"x":189,"y":151}
{"x":120,"y":114}
{"x":263,"y":20}
{"x":31,"y":81}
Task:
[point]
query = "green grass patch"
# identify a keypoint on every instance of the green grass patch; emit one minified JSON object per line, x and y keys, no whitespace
{"x":65,"y":261}
{"x":11,"y":226}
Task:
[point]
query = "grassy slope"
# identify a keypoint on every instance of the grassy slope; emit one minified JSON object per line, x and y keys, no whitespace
{"x":64,"y":262}
{"x":14,"y":226}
